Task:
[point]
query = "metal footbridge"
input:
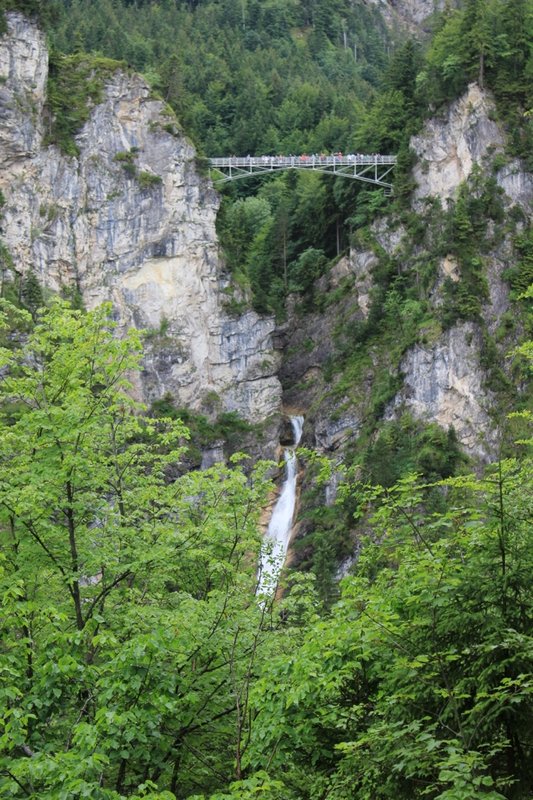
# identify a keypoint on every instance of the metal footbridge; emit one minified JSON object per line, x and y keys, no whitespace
{"x":374,"y":169}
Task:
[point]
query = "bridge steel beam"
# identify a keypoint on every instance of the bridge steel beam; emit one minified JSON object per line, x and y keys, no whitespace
{"x":373,"y":169}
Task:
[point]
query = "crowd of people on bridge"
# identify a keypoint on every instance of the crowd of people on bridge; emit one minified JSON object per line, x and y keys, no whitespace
{"x":315,"y":159}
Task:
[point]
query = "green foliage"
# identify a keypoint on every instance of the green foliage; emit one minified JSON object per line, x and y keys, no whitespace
{"x":265,"y":83}
{"x":238,"y":225}
{"x":45,"y":11}
{"x":328,"y":535}
{"x":6,"y":262}
{"x":487,"y":42}
{"x":419,"y":683}
{"x":126,"y":159}
{"x":228,"y":426}
{"x":272,"y":240}
{"x":72,"y":294}
{"x":520,"y":274}
{"x":307,"y":268}
{"x":135,"y":659}
{"x":368,"y":204}
{"x":477,"y":203}
{"x":129,"y":625}
{"x":408,"y":446}
{"x":383,"y":128}
{"x":31,"y":292}
{"x":14,"y":321}
{"x":147,"y":180}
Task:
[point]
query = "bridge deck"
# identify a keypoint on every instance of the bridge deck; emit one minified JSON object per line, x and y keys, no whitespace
{"x":298,"y":161}
{"x":369,"y":168}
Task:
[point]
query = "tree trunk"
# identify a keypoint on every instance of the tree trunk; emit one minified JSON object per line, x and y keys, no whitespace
{"x":74,"y":563}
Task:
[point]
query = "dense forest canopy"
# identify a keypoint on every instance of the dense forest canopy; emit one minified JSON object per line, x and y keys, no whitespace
{"x":243,"y":76}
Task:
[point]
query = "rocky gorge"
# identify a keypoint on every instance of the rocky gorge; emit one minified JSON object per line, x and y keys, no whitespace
{"x":265,"y":446}
{"x":130,"y":218}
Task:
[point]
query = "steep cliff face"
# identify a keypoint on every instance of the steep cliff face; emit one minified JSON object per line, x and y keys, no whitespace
{"x":443,"y":383}
{"x":23,"y":71}
{"x":442,"y":376}
{"x":446,"y":382}
{"x":393,"y":364}
{"x":450,"y":145}
{"x":129,"y":220}
{"x":408,"y":13}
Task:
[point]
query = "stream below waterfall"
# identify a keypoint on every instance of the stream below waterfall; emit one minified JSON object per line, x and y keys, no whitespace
{"x":276,"y":542}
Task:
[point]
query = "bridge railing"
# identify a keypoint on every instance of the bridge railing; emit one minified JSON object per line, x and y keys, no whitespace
{"x":302,"y":160}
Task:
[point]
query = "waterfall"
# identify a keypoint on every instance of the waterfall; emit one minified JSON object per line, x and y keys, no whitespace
{"x":276,"y":541}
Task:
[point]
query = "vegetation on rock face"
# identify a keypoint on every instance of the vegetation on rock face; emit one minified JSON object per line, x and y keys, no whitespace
{"x":45,"y":11}
{"x":434,"y":276}
{"x":228,"y":428}
{"x":487,"y":42}
{"x":146,"y":180}
{"x":75,"y":86}
{"x":135,"y":660}
{"x":329,"y":535}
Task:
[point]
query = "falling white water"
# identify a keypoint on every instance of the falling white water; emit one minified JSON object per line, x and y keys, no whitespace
{"x":277,"y":537}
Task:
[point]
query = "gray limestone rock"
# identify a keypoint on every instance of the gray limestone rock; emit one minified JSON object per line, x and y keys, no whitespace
{"x":23,"y":74}
{"x":443,"y":383}
{"x":448,"y":147}
{"x":411,"y":14}
{"x":143,"y":239}
{"x":517,"y":185}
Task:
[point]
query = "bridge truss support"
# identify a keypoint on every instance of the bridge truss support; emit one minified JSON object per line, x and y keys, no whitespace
{"x":375,"y":169}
